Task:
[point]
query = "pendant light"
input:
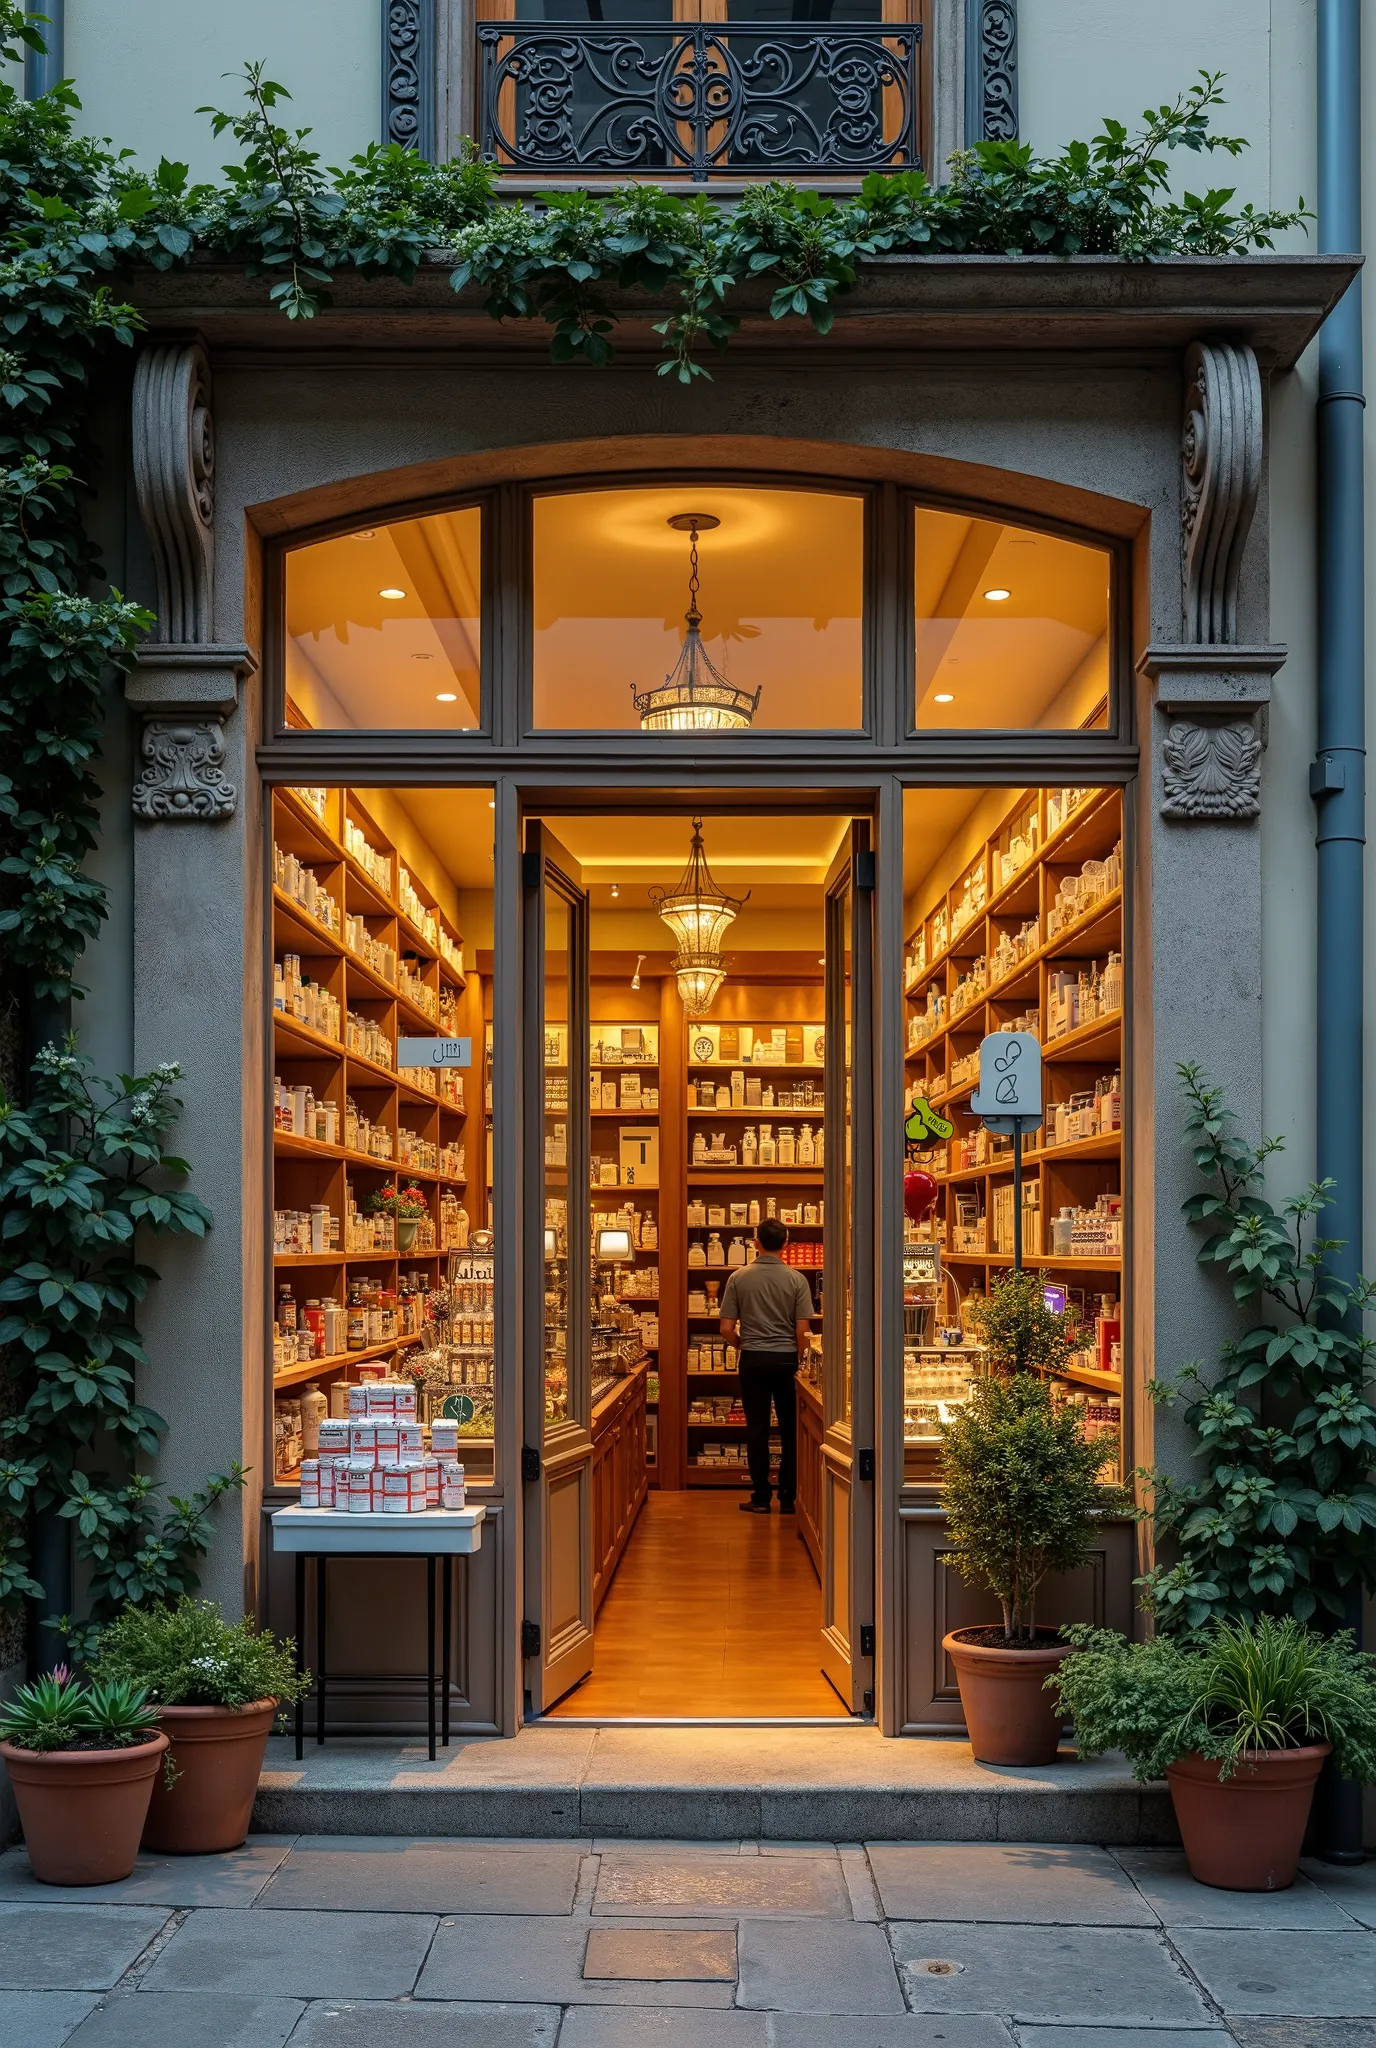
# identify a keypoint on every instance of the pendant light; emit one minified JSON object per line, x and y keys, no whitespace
{"x":695,"y":696}
{"x":698,"y":912}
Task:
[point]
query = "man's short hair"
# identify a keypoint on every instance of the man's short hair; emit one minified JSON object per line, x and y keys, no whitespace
{"x":772,"y":1234}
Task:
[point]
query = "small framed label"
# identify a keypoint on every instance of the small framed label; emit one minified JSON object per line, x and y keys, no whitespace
{"x":434,"y":1052}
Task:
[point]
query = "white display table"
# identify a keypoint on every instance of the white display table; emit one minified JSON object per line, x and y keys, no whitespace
{"x":323,"y":1533}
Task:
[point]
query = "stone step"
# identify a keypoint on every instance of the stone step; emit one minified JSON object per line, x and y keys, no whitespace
{"x":843,"y":1783}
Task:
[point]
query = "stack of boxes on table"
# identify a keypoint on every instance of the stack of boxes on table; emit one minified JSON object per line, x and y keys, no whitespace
{"x":375,"y":1461}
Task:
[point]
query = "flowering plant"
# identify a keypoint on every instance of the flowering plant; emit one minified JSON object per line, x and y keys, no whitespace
{"x":394,"y":1201}
{"x":190,"y":1656}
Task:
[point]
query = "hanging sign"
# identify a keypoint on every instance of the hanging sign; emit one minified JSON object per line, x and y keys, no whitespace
{"x":1010,"y":1080}
{"x":923,"y":1124}
{"x":434,"y":1052}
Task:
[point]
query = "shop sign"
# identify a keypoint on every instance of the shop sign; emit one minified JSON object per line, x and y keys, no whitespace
{"x":434,"y":1052}
{"x":923,"y":1123}
{"x":1010,"y":1080}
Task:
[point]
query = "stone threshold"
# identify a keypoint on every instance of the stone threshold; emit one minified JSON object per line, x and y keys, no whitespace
{"x":841,"y":1783}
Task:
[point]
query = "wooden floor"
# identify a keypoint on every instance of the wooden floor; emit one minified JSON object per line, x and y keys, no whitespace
{"x":711,"y":1612}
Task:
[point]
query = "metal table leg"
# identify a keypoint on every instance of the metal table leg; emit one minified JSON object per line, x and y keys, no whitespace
{"x":430,"y":1651}
{"x":446,"y":1639}
{"x":300,"y":1650}
{"x":320,"y":1650}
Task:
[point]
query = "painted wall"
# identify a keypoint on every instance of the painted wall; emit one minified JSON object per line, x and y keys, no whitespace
{"x":142,"y":67}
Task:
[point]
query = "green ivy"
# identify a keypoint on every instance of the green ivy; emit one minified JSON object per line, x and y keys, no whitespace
{"x":1283,"y":1521}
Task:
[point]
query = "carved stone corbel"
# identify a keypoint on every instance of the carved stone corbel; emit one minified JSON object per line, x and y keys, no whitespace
{"x":185,"y":695}
{"x":1216,"y":700}
{"x":1221,"y":447}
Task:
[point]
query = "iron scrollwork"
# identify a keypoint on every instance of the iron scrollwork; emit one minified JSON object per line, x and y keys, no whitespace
{"x":991,"y":71}
{"x":408,"y":74}
{"x":700,"y":97}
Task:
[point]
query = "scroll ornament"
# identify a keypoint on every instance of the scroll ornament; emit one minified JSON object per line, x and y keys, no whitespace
{"x":183,"y":772}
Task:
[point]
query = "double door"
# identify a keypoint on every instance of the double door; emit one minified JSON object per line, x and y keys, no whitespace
{"x":556,"y":1251}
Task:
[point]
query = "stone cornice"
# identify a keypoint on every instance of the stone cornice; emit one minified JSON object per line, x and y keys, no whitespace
{"x":901,"y":305}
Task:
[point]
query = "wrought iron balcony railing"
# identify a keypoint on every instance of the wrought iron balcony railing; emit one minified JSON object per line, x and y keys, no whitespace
{"x":700,"y":99}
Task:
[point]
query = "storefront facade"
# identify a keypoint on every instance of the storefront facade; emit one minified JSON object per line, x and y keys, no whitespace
{"x":1123,"y":410}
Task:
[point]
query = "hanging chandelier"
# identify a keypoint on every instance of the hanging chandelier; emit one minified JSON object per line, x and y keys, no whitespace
{"x":695,"y":696}
{"x":698,"y":912}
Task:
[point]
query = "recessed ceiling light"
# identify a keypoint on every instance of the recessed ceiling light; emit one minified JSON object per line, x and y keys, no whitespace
{"x":943,"y":697}
{"x":446,"y":697}
{"x":422,"y":657}
{"x":615,"y":890}
{"x":994,"y":596}
{"x":396,"y":595}
{"x":365,"y":533}
{"x":492,"y":803}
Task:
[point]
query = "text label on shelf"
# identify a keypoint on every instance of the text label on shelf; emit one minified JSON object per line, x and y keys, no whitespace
{"x":434,"y":1052}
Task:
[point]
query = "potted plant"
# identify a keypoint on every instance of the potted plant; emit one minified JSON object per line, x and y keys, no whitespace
{"x":215,"y":1687}
{"x":1021,"y":1490}
{"x":82,"y":1760}
{"x":1238,"y":1720}
{"x":406,"y":1206}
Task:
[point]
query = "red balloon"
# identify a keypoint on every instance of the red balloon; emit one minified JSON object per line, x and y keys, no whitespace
{"x":919,"y":1194}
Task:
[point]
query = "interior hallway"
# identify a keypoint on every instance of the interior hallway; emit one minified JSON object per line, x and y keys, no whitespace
{"x":711,"y":1612}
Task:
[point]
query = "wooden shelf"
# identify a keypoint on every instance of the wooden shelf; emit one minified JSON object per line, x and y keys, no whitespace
{"x":750,"y":1176}
{"x":717,"y":1475}
{"x":1034,"y":1260}
{"x":772,"y":1109}
{"x":1087,"y":1376}
{"x":294,"y":1375}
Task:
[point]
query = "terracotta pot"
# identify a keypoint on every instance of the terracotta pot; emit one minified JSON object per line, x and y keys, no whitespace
{"x":218,"y":1754}
{"x":1244,"y":1833}
{"x":82,"y":1810}
{"x":1011,"y":1719}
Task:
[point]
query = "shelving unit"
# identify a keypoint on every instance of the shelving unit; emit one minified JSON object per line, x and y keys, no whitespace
{"x":626,"y":1051}
{"x":366,"y":958}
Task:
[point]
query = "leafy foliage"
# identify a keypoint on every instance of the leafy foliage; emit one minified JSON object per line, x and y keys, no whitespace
{"x":190,"y":1656}
{"x":1238,"y":1688}
{"x":1285,"y":1518}
{"x":1018,"y":1330}
{"x":1020,"y":1486}
{"x":61,"y":1712}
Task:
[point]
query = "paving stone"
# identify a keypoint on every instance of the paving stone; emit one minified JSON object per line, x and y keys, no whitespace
{"x":1163,"y":1877}
{"x":405,"y":1875}
{"x":538,"y":1962}
{"x":72,"y":1948}
{"x":234,"y":1879}
{"x":658,"y":2027}
{"x":1302,"y":2033}
{"x":1124,"y":2037}
{"x":799,"y":1966}
{"x":650,"y":1955}
{"x":1039,"y":1884}
{"x":1110,"y":1976}
{"x":915,"y":2030}
{"x":784,"y":1887}
{"x":1284,"y":1971}
{"x":294,"y":1955}
{"x":1351,"y":1886}
{"x":334,"y":2023}
{"x":41,"y":2019}
{"x":172,"y":2019}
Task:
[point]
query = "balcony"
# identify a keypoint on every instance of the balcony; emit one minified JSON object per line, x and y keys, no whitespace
{"x":698,"y":100}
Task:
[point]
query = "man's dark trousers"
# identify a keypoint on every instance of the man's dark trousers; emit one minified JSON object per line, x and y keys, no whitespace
{"x":769,"y":1376}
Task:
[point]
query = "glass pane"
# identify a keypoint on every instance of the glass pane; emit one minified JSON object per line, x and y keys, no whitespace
{"x":780,"y":587}
{"x":592,"y":13}
{"x":845,"y":908}
{"x":558,"y":1249}
{"x":1012,"y":627}
{"x":838,"y":11}
{"x":383,"y":627}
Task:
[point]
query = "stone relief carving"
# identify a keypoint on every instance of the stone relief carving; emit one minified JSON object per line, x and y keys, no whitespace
{"x":1212,"y":770}
{"x":183,"y":772}
{"x":408,"y":58}
{"x":1221,"y":450}
{"x":174,"y":477}
{"x":991,"y":71}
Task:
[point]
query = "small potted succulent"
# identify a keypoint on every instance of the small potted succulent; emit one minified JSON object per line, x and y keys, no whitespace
{"x":1021,"y":1489}
{"x":406,"y":1207}
{"x":215,"y":1687}
{"x":82,"y":1760}
{"x":1238,"y":1719}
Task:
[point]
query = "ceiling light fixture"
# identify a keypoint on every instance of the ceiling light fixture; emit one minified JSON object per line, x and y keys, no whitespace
{"x":635,"y":978}
{"x":695,"y":696}
{"x":997,"y":596}
{"x":943,"y":697}
{"x":698,"y":912}
{"x":393,"y":593}
{"x":446,"y":697}
{"x":615,"y":889}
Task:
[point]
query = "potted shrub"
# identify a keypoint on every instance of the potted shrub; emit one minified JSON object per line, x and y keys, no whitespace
{"x":82,"y":1760}
{"x":216,"y":1688}
{"x":406,"y":1207}
{"x":1021,"y":1491}
{"x":1238,"y":1721}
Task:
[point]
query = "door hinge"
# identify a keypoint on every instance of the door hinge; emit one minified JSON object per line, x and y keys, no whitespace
{"x":866,"y":1461}
{"x":867,"y":1639}
{"x":864,"y":869}
{"x":867,"y":1703}
{"x":530,"y":1638}
{"x":530,"y":1464}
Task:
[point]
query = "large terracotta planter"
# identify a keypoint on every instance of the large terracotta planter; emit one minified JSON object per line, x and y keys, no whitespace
{"x":1244,"y":1833}
{"x":218,"y":1754}
{"x":1012,"y":1719}
{"x":82,"y":1810}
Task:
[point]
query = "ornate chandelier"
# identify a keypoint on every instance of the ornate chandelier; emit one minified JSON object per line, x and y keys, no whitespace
{"x":695,"y":696}
{"x":698,"y":912}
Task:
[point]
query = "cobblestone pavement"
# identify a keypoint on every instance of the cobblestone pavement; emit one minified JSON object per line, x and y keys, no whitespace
{"x":374,"y":1942}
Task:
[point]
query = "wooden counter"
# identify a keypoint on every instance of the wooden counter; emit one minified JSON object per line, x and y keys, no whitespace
{"x":809,"y":1502}
{"x":619,"y":1477}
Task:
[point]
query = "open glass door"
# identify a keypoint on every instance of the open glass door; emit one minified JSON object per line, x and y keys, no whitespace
{"x":556,"y":1458}
{"x":848,"y":1291}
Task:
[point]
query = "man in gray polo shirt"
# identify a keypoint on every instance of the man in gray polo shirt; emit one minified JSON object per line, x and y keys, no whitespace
{"x":767,"y":1311}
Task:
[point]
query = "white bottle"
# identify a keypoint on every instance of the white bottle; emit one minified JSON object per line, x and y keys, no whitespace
{"x":753,"y":1213}
{"x":807,"y":1150}
{"x":699,"y":1148}
{"x":788,"y":1150}
{"x":736,"y":1255}
{"x":716,"y":1254}
{"x":819,"y":1147}
{"x":750,"y":1147}
{"x":314,"y":1408}
{"x":769,"y":1151}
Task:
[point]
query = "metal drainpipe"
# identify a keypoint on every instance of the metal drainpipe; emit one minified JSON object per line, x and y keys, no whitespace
{"x":43,"y":68}
{"x":1337,"y":779}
